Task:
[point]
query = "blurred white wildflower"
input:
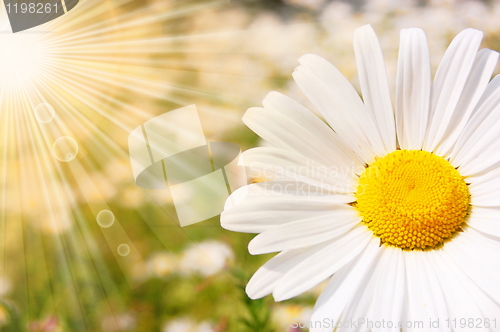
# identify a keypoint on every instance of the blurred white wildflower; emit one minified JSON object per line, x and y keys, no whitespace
{"x":159,"y":197}
{"x":118,"y":171}
{"x":162,"y":264}
{"x":336,"y":12}
{"x":390,"y":5}
{"x":56,"y":220}
{"x":206,"y":258}
{"x":287,"y":315}
{"x":50,"y":324}
{"x":132,"y":197}
{"x":185,"y":324}
{"x":4,"y":316}
{"x":309,"y":4}
{"x":5,"y":286}
{"x":119,"y":323}
{"x":98,"y":187}
{"x":139,"y":271}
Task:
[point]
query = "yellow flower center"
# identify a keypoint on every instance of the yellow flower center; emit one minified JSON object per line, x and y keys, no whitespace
{"x":412,"y":199}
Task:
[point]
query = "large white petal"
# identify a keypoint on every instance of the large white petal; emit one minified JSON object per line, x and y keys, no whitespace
{"x":478,"y":257}
{"x":413,"y":88}
{"x":374,"y":84}
{"x":472,"y":151}
{"x":359,"y":307}
{"x":340,"y":104}
{"x":287,"y":164}
{"x":425,"y":299}
{"x":485,"y":188}
{"x":461,"y":305}
{"x":485,"y":220}
{"x":264,"y":281}
{"x":481,"y":72}
{"x":282,"y":132}
{"x":261,"y":206}
{"x":306,"y":232}
{"x":382,"y":297}
{"x":390,"y":287}
{"x":481,"y":160}
{"x":485,"y":304}
{"x":449,"y":83}
{"x":344,"y":285}
{"x":285,"y":123}
{"x":323,"y":264}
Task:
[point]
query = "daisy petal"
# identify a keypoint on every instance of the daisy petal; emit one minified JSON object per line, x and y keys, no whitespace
{"x":384,"y":289}
{"x":485,"y":220}
{"x":323,"y":264}
{"x":449,"y":83}
{"x":478,"y":257}
{"x":460,"y":304}
{"x":306,"y":232}
{"x":484,"y":188}
{"x":484,"y":161}
{"x":343,"y":286}
{"x":292,"y":165}
{"x":264,"y":281}
{"x":482,"y":69}
{"x":424,"y":294}
{"x":284,"y":133}
{"x":482,"y":300}
{"x":479,"y":134}
{"x":340,"y":104}
{"x":262,"y":206}
{"x":481,"y":181}
{"x":374,"y":84}
{"x":390,"y":288}
{"x":491,"y":89}
{"x":287,"y":124}
{"x":413,"y":87}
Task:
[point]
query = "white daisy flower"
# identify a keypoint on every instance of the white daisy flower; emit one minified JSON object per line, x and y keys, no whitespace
{"x":185,"y":324}
{"x":206,"y":258}
{"x":411,"y":235}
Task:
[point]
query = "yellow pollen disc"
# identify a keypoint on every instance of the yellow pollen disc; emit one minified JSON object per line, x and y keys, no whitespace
{"x":412,"y":199}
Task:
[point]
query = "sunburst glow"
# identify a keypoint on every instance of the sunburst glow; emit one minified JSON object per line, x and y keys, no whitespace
{"x":71,"y":91}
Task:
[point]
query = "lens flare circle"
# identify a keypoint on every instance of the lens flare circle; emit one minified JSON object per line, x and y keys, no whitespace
{"x":65,"y":149}
{"x":105,"y":218}
{"x":123,"y":250}
{"x":44,"y":113}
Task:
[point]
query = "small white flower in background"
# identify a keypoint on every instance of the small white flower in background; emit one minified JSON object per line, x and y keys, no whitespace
{"x":98,"y":188}
{"x":162,"y":264}
{"x":132,"y":197}
{"x":118,"y":171}
{"x":50,"y":324}
{"x":119,"y":323}
{"x":287,"y":317}
{"x":185,"y":324}
{"x":400,"y":210}
{"x":310,"y":4}
{"x":5,"y":286}
{"x":4,"y":316}
{"x":57,"y":220}
{"x":206,"y":258}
